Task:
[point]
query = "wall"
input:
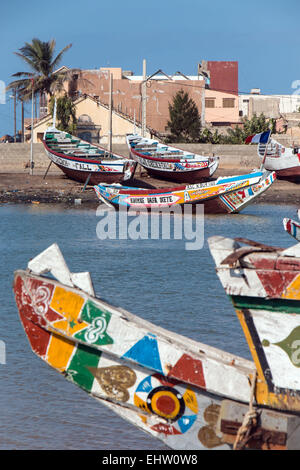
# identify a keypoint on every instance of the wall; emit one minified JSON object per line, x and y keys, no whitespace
{"x":15,"y":157}
{"x":224,"y":76}
{"x":127,"y":95}
{"x":270,"y":105}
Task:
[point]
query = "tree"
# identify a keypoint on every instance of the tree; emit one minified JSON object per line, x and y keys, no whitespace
{"x":184,"y":123}
{"x":40,"y":56}
{"x":255,"y":125}
{"x":65,"y":113}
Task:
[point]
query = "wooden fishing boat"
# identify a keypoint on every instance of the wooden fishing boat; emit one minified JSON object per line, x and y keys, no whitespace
{"x":276,"y":157}
{"x":292,"y":227}
{"x":224,"y":195}
{"x":184,"y":393}
{"x":170,"y":163}
{"x":85,"y":162}
{"x":263,"y":283}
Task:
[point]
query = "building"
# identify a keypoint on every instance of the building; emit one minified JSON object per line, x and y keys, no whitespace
{"x":93,"y":123}
{"x":221,"y":93}
{"x":127,"y":93}
{"x":214,"y":90}
{"x":272,"y":106}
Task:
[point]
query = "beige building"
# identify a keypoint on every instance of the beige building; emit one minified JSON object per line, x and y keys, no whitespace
{"x":221,"y":108}
{"x":93,"y":123}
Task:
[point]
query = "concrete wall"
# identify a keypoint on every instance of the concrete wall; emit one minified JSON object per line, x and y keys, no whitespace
{"x":16,"y":157}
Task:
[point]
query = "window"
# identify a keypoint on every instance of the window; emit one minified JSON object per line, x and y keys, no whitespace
{"x":209,"y":102}
{"x":228,"y":102}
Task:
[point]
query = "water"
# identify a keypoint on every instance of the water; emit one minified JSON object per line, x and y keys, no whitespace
{"x":156,"y":279}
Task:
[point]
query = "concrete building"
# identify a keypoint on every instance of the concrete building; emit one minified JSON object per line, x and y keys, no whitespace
{"x":93,"y":123}
{"x":214,"y":90}
{"x":272,"y":106}
{"x":127,"y":93}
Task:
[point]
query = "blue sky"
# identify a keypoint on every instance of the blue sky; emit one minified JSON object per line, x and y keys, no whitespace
{"x":263,"y":36}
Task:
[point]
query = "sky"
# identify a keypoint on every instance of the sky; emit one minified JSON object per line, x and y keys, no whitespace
{"x":172,"y":35}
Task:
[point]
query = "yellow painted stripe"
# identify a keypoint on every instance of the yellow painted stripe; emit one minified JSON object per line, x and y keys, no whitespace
{"x":59,"y":352}
{"x":250,"y":343}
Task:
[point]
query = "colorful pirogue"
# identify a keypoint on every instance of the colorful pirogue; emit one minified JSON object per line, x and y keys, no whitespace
{"x":85,"y":162}
{"x":187,"y":394}
{"x":276,"y":157}
{"x":224,"y":195}
{"x":292,"y":227}
{"x":170,"y":163}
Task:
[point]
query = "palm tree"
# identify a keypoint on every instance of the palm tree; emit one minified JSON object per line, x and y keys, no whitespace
{"x":40,"y":56}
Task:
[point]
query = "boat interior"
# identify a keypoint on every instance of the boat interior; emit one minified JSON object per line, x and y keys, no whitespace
{"x":72,"y":147}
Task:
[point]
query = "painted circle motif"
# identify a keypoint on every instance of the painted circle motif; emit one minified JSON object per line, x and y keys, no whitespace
{"x":169,"y":399}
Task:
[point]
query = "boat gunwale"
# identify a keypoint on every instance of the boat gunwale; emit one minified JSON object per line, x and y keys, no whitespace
{"x":121,"y":160}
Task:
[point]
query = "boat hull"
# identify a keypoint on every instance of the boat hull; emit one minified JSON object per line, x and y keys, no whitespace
{"x":228,"y":195}
{"x":186,"y":168}
{"x":292,"y":227}
{"x":186,"y":394}
{"x":88,"y":169}
{"x":285,"y":161}
{"x":93,"y":177}
{"x":151,"y":381}
{"x":289,"y":174}
{"x":263,"y":284}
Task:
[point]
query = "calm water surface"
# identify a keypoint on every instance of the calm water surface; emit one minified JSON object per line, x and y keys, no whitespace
{"x":155,"y":279}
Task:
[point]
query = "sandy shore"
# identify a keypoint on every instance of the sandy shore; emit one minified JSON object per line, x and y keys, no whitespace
{"x":56,"y":188}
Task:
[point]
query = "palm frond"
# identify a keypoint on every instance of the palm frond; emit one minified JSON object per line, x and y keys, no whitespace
{"x":26,"y":59}
{"x":58,"y":58}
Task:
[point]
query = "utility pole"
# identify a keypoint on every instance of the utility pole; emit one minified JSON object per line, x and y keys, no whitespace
{"x":110,"y":112}
{"x":144,"y":99}
{"x":31,"y":143}
{"x":15,"y":115}
{"x":22,"y":119}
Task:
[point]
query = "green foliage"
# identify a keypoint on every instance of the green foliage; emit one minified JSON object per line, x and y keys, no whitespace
{"x":65,"y":113}
{"x":238,"y":135}
{"x":184,"y":123}
{"x":41,"y":59}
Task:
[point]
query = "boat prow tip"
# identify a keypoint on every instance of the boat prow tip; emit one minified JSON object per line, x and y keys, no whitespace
{"x":51,"y":260}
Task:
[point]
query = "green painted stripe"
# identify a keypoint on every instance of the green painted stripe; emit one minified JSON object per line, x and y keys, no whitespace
{"x":272,"y":305}
{"x":78,"y":370}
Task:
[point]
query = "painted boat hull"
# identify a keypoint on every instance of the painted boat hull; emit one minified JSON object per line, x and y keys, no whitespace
{"x":289,"y":174}
{"x":292,"y":227}
{"x":87,"y":168}
{"x":174,"y":410}
{"x":263,"y":284}
{"x":285,"y":161}
{"x":178,"y":390}
{"x":189,"y":168}
{"x":224,"y":196}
